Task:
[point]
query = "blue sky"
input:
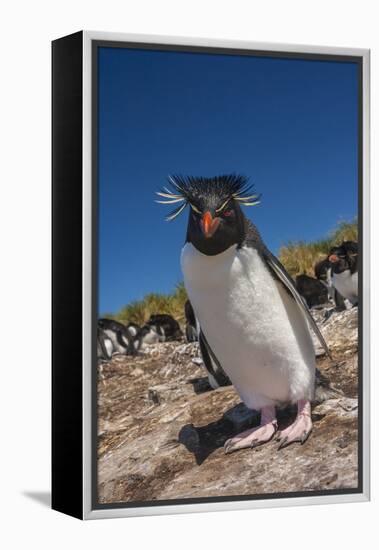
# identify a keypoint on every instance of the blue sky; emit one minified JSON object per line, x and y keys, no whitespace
{"x":290,"y":125}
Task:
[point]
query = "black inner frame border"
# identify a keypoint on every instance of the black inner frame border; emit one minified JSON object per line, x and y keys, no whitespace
{"x":95,"y":45}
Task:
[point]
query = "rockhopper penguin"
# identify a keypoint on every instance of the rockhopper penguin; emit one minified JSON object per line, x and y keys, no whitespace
{"x":254,"y":321}
{"x":344,"y":261}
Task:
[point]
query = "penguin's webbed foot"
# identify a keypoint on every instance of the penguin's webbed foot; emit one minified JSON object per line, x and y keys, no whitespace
{"x":255,"y":436}
{"x":300,"y":430}
{"x":250,"y":438}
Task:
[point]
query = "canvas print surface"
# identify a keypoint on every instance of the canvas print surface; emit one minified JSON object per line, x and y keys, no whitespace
{"x":227,"y":349}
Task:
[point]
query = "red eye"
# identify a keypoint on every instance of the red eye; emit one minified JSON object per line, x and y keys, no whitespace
{"x":227,"y":213}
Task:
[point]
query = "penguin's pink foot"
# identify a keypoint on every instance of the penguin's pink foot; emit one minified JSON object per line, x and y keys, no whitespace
{"x":298,"y":431}
{"x":255,"y":436}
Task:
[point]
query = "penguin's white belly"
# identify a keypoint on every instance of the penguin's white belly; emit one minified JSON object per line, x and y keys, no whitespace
{"x":347,"y":285}
{"x":108,"y":346}
{"x":253,"y":326}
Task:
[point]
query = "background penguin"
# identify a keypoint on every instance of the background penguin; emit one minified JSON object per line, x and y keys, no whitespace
{"x":167,"y":326}
{"x":250,"y":313}
{"x":344,"y":261}
{"x":323,"y":272}
{"x":312,"y":290}
{"x":133,"y":328}
{"x":104,"y":346}
{"x":148,"y":335}
{"x":121,"y":338}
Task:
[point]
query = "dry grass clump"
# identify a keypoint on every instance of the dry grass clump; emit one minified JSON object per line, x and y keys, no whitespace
{"x":300,"y":257}
{"x":140,"y":311}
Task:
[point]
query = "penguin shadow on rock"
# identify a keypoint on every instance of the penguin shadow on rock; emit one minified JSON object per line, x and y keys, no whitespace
{"x":202,"y":441}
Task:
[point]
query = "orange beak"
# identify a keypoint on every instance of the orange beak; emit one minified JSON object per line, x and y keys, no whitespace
{"x":333,"y":258}
{"x":209,"y":225}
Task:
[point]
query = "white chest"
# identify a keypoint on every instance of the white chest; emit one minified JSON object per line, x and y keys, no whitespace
{"x":232,"y":288}
{"x":255,"y":329}
{"x":347,"y":285}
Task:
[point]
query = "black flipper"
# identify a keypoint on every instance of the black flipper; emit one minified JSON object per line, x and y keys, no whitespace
{"x":211,"y":362}
{"x":126,"y":342}
{"x":280,"y":273}
{"x":253,"y":239}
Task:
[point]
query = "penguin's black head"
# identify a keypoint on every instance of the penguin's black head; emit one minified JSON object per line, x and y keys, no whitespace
{"x":216,"y":221}
{"x":321,"y":269}
{"x":344,"y":256}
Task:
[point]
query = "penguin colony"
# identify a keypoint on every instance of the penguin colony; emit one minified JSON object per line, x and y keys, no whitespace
{"x":336,"y":279}
{"x":252,"y":323}
{"x":114,"y":337}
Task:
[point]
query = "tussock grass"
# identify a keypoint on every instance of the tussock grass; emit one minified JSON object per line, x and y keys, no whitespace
{"x":300,"y":257}
{"x":140,"y":311}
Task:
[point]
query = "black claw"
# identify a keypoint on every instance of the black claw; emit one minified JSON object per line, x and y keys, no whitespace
{"x":286,"y":443}
{"x":226,"y":447}
{"x":232,"y":449}
{"x":301,"y":440}
{"x":305,"y":436}
{"x":283,"y":443}
{"x":229,"y":448}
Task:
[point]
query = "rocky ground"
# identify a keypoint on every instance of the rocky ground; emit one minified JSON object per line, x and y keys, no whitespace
{"x":162,"y":429}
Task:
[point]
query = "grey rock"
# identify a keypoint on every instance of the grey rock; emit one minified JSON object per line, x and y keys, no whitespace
{"x":339,"y":328}
{"x":344,"y":407}
{"x":241,"y":417}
